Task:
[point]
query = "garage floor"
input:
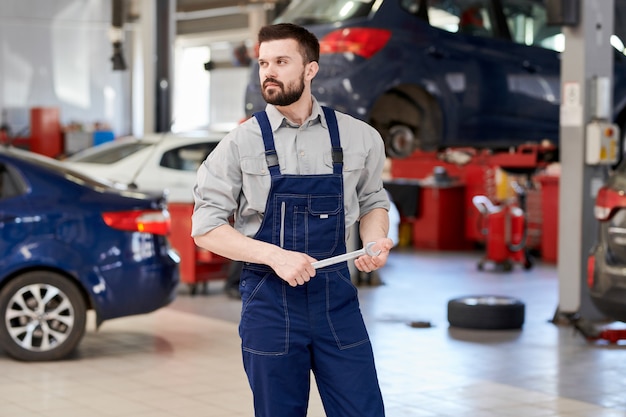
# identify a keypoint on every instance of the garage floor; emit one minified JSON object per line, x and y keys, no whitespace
{"x":184,"y":360}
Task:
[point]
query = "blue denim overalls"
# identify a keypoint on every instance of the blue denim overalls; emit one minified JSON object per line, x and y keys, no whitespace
{"x":288,"y":331}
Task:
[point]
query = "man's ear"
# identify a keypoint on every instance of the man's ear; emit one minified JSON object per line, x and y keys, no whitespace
{"x":311,"y":70}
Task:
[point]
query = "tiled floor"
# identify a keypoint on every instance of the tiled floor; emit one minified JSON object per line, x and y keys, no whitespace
{"x":184,"y":360}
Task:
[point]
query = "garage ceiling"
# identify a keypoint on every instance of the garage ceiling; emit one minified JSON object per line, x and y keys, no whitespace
{"x":200,"y":16}
{"x":206,"y":16}
{"x":195,"y":5}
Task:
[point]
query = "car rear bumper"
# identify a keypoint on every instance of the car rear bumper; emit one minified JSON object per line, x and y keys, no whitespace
{"x":608,"y":291}
{"x":142,"y":288}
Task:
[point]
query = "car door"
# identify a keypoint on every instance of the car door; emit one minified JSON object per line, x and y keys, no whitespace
{"x":533,"y":70}
{"x":498,"y":92}
{"x":470,"y":59}
{"x":16,"y":221}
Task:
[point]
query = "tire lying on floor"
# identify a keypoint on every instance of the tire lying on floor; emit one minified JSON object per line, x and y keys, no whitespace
{"x":486,"y":312}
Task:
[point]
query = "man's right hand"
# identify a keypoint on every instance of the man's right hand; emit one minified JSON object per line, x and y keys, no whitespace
{"x":293,"y":267}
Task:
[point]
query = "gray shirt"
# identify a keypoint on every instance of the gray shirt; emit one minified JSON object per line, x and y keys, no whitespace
{"x":234,"y":179}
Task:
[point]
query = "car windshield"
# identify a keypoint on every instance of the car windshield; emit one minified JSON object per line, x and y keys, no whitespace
{"x":307,"y":12}
{"x":109,"y":154}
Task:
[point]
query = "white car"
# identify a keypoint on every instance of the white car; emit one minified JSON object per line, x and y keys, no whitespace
{"x":157,"y":162}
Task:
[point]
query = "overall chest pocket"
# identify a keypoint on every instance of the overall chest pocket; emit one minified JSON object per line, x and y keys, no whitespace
{"x":312,"y":224}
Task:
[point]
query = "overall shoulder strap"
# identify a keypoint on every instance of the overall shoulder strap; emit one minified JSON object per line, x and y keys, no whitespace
{"x":268,"y":141}
{"x":333,"y":129}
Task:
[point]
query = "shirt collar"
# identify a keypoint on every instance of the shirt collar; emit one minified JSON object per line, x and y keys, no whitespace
{"x":277,"y":119}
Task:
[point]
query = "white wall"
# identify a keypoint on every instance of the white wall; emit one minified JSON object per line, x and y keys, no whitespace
{"x":212,"y":100}
{"x":56,"y":53}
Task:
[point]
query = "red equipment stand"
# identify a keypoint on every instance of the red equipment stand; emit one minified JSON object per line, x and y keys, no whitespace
{"x":550,"y":211}
{"x":46,"y":137}
{"x":197,"y":266}
{"x":440,"y":223}
{"x":505,"y":233}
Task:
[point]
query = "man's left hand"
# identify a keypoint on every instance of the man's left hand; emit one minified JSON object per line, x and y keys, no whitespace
{"x":368,"y":263}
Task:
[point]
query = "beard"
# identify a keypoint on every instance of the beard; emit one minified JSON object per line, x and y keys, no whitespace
{"x":281,"y":96}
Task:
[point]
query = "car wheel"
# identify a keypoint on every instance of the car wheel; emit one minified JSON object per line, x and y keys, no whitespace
{"x":400,"y":141}
{"x":408,"y":119}
{"x":486,"y":312}
{"x":42,"y":316}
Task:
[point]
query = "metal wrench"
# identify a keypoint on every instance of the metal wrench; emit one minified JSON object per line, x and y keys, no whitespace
{"x":367,"y":250}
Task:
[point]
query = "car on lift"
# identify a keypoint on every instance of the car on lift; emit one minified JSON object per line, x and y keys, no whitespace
{"x":606,"y":263}
{"x":155,"y":162}
{"x":431,"y":74}
{"x":72,"y":244}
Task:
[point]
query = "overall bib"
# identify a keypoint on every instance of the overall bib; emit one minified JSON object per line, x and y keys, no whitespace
{"x":288,"y":331}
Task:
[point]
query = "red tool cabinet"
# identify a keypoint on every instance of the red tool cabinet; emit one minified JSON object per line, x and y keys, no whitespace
{"x":197,"y":266}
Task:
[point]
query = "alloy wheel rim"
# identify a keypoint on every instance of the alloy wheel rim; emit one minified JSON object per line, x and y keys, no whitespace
{"x":490,"y":300}
{"x":39,"y":317}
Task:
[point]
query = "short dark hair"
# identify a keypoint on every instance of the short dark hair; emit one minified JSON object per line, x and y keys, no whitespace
{"x":309,"y":46}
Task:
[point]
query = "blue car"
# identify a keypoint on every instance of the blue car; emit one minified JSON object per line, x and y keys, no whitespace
{"x":431,"y":74}
{"x":70,"y":244}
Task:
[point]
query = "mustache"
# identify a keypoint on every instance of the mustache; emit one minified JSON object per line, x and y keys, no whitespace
{"x":272,"y":80}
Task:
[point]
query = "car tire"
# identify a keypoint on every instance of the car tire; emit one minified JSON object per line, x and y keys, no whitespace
{"x":408,"y":119}
{"x":42,"y":316}
{"x":486,"y":312}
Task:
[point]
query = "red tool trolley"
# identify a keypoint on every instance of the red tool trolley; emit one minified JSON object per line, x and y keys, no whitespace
{"x":505,"y":229}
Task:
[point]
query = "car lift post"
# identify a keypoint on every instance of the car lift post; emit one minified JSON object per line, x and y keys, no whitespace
{"x":587,"y":58}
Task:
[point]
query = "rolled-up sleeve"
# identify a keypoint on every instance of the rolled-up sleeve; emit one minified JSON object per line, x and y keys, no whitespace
{"x":217,"y":187}
{"x":369,"y":190}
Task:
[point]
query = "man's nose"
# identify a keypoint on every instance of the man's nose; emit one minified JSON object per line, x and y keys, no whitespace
{"x":269,"y":71}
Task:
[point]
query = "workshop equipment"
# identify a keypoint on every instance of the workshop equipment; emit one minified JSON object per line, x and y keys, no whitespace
{"x":505,"y":231}
{"x":46,"y":135}
{"x":367,"y":250}
{"x":593,"y":332}
{"x":477,"y":172}
{"x":197,"y":266}
{"x":440,"y":219}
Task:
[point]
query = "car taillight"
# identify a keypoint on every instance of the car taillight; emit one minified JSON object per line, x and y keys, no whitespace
{"x":608,"y":201}
{"x":364,"y":42}
{"x":146,"y":221}
{"x":591,"y":266}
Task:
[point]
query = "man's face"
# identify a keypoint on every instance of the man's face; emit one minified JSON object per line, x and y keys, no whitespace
{"x":281,"y":71}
